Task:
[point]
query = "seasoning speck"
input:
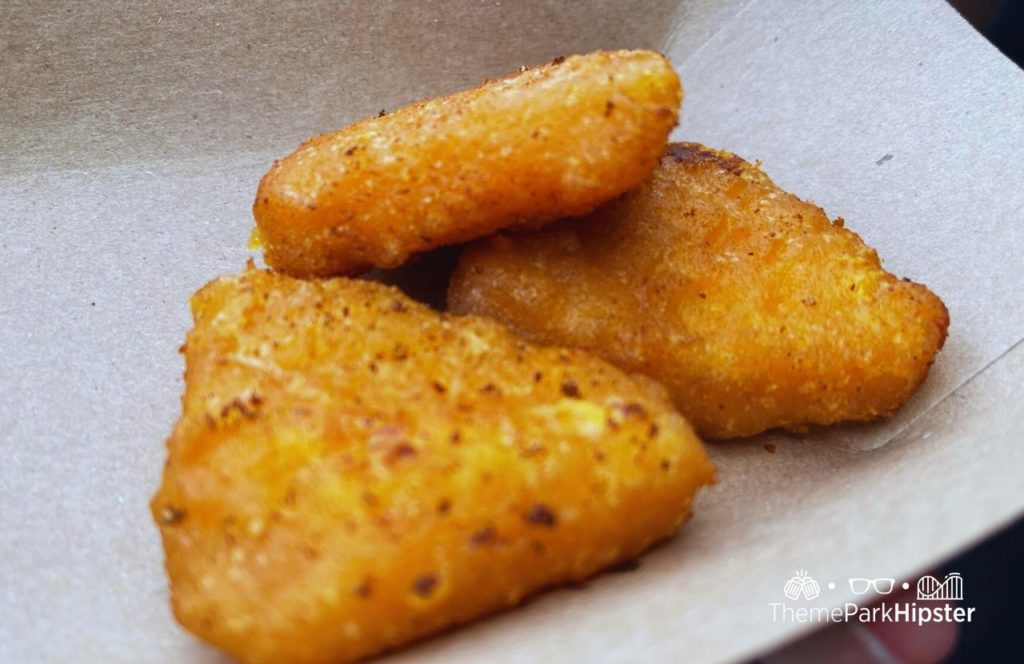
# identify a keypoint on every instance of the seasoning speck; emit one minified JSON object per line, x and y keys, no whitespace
{"x":365,"y":589}
{"x":171,"y":515}
{"x":632,"y":409}
{"x":424,"y":585}
{"x":541,"y":515}
{"x":400,"y":451}
{"x":483,"y":536}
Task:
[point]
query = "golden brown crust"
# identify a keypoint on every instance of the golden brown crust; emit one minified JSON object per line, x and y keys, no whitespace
{"x":352,"y":470}
{"x":546,"y":143}
{"x":751,"y":306}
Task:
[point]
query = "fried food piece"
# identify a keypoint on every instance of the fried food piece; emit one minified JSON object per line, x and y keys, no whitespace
{"x":353,"y":470}
{"x":525,"y":150}
{"x":750,"y":306}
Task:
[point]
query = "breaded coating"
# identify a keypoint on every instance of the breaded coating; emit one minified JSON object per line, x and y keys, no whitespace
{"x":353,"y":470}
{"x":748,"y":304}
{"x":525,"y":150}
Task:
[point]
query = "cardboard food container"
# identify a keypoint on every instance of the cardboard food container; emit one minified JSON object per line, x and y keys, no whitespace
{"x":132,"y":141}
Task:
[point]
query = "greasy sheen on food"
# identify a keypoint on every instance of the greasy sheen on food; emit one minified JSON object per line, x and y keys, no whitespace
{"x":747,"y":303}
{"x":545,"y":143}
{"x":352,"y":470}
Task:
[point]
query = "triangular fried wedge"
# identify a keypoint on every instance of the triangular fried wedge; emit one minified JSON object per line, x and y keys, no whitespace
{"x":353,"y":470}
{"x":747,"y":303}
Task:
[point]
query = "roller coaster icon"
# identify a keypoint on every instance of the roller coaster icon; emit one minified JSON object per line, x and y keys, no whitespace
{"x":950,"y":588}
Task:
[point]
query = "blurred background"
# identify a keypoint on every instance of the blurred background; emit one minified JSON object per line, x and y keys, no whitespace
{"x":1001,"y":21}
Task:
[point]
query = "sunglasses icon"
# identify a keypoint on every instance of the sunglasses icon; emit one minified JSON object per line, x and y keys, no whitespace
{"x":881,"y":586}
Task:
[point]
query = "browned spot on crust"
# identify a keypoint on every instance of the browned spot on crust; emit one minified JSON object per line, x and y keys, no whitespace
{"x":630,"y":565}
{"x":694,"y":153}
